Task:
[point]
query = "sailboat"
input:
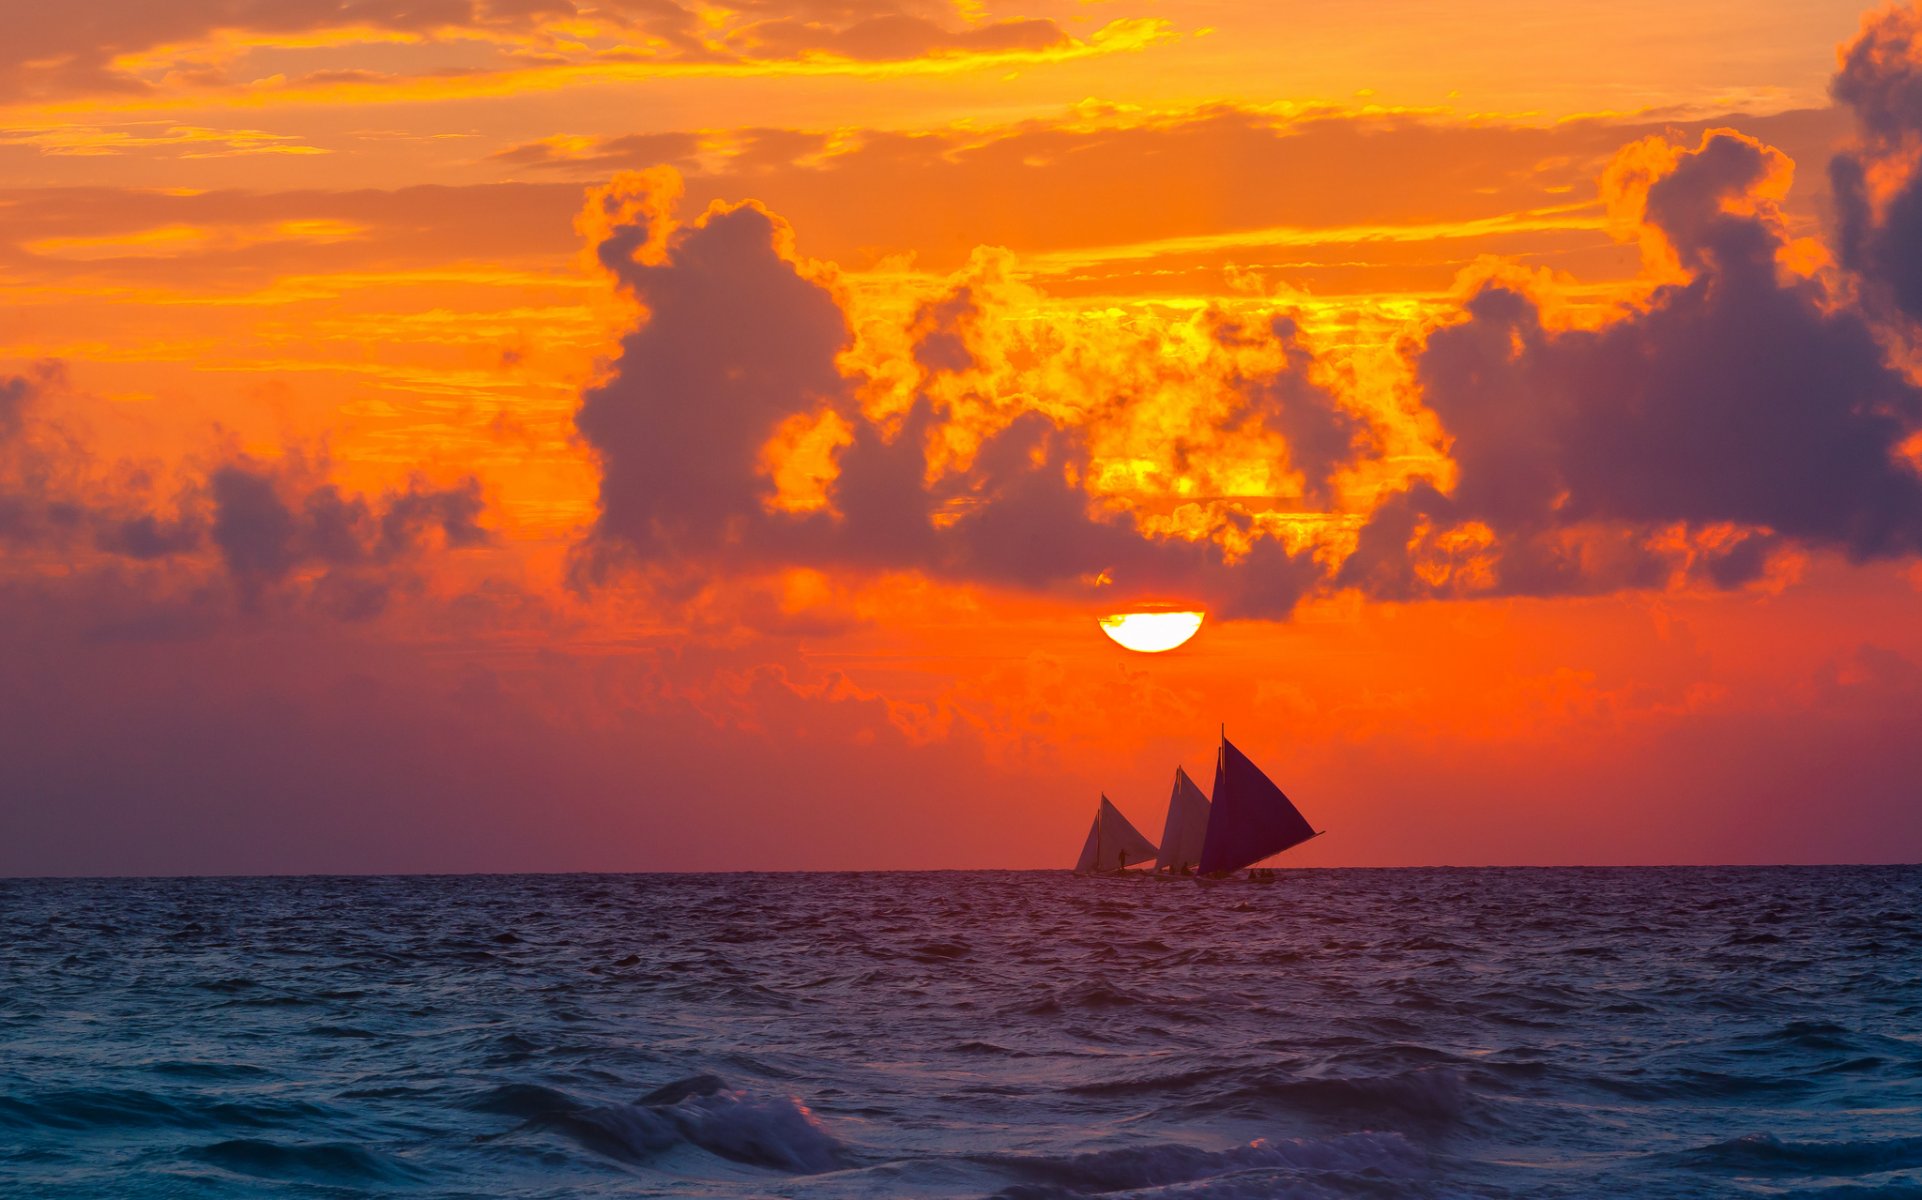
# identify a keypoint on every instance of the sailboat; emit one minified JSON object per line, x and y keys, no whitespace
{"x":1187,"y":825}
{"x":1113,"y":844}
{"x":1250,"y":818}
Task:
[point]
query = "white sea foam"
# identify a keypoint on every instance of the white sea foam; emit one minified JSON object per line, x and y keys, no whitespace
{"x":757,"y":1128}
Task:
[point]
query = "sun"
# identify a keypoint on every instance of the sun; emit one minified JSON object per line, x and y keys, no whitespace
{"x":1151,"y":632}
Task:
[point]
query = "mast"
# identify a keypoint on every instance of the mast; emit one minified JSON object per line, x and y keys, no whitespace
{"x":1100,"y":820}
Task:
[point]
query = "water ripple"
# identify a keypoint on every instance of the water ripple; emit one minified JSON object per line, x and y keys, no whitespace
{"x":1435,"y":1033}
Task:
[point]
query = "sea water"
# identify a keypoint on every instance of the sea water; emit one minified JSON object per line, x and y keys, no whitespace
{"x":1377,"y":1033}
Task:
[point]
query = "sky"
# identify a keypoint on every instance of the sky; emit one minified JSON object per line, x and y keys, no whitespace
{"x":554,"y":435}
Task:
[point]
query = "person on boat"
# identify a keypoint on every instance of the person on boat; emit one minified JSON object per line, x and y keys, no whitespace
{"x":1121,"y":862}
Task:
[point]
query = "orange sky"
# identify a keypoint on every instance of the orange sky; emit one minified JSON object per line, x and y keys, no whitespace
{"x":490,"y":435}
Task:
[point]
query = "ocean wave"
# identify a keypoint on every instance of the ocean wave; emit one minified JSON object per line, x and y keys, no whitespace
{"x":335,"y":1163}
{"x":207,"y":1070}
{"x":1425,"y":1094}
{"x":977,"y":1046}
{"x":96,"y":1110}
{"x":1809,"y":1035}
{"x":1152,"y":1083}
{"x":1125,"y":1053}
{"x":933,"y":952}
{"x":87,"y":1109}
{"x":528,"y":1101}
{"x":341,"y":1031}
{"x":1896,"y":1190}
{"x":777,"y":1132}
{"x":1699,"y":1085}
{"x":1430,"y":1093}
{"x":1163,"y":1166}
{"x":1765,"y":1154}
{"x":1098,"y":993}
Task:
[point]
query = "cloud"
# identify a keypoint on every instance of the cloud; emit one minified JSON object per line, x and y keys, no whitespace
{"x":251,"y":238}
{"x":42,"y":500}
{"x":1877,"y":186}
{"x":895,"y":37}
{"x":204,"y":48}
{"x":1226,"y":188}
{"x":1739,"y":412}
{"x":269,"y":523}
{"x":931,"y":449}
{"x":1042,"y":188}
{"x":603,"y":154}
{"x":1738,"y":406}
{"x":735,"y":341}
{"x":167,"y":743}
{"x":276,"y":530}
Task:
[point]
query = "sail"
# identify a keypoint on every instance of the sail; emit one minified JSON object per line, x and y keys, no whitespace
{"x":1251,"y":818}
{"x":1187,"y":826}
{"x":1112,"y":842}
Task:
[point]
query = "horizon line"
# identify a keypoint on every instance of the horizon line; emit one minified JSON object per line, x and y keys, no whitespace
{"x":791,"y":871}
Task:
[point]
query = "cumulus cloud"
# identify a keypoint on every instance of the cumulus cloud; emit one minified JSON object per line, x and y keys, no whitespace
{"x":1736,"y":407}
{"x":958,"y":444}
{"x":1739,"y":409}
{"x":270,"y":529}
{"x":736,"y":340}
{"x":268,"y":523}
{"x":1878,"y":189}
{"x":38,"y":466}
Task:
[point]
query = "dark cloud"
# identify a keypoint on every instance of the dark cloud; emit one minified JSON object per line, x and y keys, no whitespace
{"x":40,"y":464}
{"x":1878,"y":190}
{"x":735,"y":342}
{"x":263,"y":523}
{"x":149,"y":536}
{"x":141,"y":736}
{"x":268,"y":523}
{"x":740,"y":340}
{"x":16,"y":392}
{"x":1743,"y":397}
{"x":1738,"y":411}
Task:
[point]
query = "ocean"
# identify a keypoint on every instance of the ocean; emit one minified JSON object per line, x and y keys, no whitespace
{"x":1023,"y":1035}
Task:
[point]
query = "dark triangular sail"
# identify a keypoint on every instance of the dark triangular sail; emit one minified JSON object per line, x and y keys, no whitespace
{"x":1250,"y":818}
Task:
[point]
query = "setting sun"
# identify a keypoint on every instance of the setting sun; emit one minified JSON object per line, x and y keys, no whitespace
{"x":1151,"y":632}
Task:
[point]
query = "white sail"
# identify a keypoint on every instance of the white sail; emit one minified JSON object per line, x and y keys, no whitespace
{"x":1112,"y":843}
{"x":1186,"y":829}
